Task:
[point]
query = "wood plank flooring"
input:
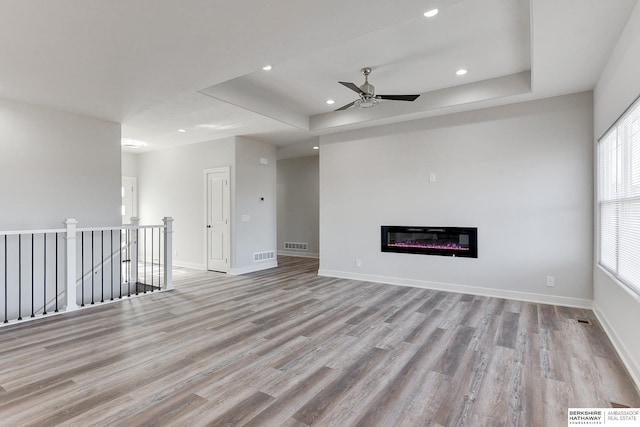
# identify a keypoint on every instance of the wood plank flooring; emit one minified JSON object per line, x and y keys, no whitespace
{"x":286,"y":347}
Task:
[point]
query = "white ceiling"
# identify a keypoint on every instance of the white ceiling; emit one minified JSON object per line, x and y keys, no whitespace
{"x":159,"y":65}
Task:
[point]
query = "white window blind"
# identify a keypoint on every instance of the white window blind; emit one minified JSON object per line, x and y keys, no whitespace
{"x":619,"y":198}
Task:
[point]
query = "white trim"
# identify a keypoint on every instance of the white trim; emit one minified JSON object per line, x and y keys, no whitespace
{"x":119,"y":227}
{"x":632,"y":365}
{"x":16,"y":232}
{"x":134,"y":192}
{"x":193,"y":265}
{"x":465,"y":289}
{"x":299,"y":254}
{"x":253,"y":268}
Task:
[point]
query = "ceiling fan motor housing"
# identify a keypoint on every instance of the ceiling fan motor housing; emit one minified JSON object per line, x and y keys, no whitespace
{"x":368,"y":89}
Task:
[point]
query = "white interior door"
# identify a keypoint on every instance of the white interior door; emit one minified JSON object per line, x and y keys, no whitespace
{"x":217,"y":219}
{"x":129,"y":198}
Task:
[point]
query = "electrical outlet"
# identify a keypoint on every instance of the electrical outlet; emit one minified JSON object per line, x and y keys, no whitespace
{"x":358,"y":263}
{"x":551,"y":282}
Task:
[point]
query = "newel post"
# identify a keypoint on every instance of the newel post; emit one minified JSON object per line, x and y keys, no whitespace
{"x":168,"y":252}
{"x":133,"y":251}
{"x":70,"y":272}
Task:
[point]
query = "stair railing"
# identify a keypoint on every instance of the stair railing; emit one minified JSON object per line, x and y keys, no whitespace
{"x":61,"y":270}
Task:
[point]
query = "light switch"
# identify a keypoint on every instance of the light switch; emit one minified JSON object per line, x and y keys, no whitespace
{"x":264,"y":161}
{"x":432,"y":177}
{"x":246,"y":218}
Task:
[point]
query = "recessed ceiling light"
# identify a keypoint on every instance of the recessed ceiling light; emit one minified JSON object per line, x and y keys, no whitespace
{"x":267,"y":68}
{"x":431,"y":13}
{"x":315,"y":147}
{"x":182,"y":130}
{"x":330,"y":101}
{"x":461,"y":72}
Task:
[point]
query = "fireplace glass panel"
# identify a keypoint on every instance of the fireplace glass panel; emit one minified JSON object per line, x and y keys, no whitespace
{"x":447,"y":241}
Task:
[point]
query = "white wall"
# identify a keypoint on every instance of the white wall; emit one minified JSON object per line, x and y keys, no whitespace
{"x":520,"y":173}
{"x":254,"y":180}
{"x":171,"y":183}
{"x":129,"y":164}
{"x":299,"y":204}
{"x":619,"y":84}
{"x":56,"y":165}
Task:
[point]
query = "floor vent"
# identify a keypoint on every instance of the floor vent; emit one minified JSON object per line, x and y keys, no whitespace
{"x":618,"y":405}
{"x":296,"y":246}
{"x":264,"y":256}
{"x":585,"y":321}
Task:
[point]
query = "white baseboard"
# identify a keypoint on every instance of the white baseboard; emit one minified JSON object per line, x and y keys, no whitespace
{"x":253,"y":268}
{"x":633,"y":365}
{"x":194,"y":265}
{"x":465,"y":289}
{"x":299,"y":254}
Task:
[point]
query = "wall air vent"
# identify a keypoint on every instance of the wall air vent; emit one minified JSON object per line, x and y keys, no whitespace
{"x":296,"y":246}
{"x":264,"y":256}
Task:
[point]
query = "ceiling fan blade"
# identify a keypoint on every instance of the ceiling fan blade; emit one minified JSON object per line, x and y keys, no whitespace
{"x":351,"y":86}
{"x":398,"y":97}
{"x":344,"y":107}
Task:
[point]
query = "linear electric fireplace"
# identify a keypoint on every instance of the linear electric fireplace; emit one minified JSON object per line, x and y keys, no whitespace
{"x":446,"y":241}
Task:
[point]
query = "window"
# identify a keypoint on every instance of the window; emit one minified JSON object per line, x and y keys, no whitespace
{"x":619,"y":198}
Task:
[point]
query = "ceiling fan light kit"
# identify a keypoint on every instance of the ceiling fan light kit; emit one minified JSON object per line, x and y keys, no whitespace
{"x":366,"y":103}
{"x":368,"y":97}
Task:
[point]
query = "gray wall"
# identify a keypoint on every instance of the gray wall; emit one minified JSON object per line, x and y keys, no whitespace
{"x":299,"y":204}
{"x":129,"y":164}
{"x":521,"y":173}
{"x":171,"y":183}
{"x":617,"y":308}
{"x":56,"y":165}
{"x":254,"y":180}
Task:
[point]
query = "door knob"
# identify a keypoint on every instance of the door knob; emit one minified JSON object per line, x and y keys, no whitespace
{"x":208,"y":226}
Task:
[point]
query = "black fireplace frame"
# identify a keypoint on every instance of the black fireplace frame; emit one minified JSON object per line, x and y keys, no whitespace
{"x":471,"y":232}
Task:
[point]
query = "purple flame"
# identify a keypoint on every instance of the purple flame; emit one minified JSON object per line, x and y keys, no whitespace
{"x":431,"y":245}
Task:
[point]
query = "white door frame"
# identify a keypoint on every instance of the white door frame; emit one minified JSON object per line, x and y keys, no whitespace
{"x":134,"y":196}
{"x":227,"y":212}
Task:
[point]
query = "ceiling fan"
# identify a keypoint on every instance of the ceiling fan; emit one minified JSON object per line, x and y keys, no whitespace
{"x":368,"y":97}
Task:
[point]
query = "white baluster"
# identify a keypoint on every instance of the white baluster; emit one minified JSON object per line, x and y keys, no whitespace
{"x":70,"y":272}
{"x":168,"y":252}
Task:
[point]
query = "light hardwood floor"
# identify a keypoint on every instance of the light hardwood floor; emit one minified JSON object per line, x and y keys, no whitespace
{"x":286,"y":347}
